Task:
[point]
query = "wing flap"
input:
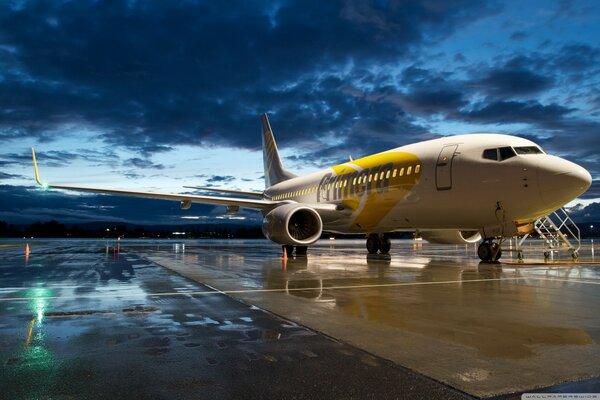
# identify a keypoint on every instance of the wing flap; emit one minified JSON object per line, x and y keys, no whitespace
{"x":226,"y":201}
{"x":219,"y":190}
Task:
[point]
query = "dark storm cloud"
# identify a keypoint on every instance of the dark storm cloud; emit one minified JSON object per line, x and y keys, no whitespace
{"x":519,"y":35}
{"x":142,"y":163}
{"x":593,"y":192}
{"x":514,"y":82}
{"x":56,"y":158}
{"x":5,"y":176}
{"x":151,"y":75}
{"x":220,"y":179}
{"x":589,"y":213}
{"x":24,"y":205}
{"x":518,"y":112}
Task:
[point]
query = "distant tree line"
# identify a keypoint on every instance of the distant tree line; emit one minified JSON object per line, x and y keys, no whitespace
{"x":55,"y":229}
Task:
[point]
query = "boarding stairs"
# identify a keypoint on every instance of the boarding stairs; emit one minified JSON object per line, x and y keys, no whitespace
{"x":558,"y":231}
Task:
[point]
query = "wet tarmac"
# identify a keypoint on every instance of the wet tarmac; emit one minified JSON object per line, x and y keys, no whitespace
{"x":231,"y":319}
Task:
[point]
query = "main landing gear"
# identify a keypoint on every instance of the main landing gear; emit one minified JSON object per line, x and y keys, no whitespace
{"x":300,"y":251}
{"x":378,"y":242}
{"x":489,"y":251}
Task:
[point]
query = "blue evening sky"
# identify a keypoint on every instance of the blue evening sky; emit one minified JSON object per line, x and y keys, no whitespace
{"x":157,"y":95}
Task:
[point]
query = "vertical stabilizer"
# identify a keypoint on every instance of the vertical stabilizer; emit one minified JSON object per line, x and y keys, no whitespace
{"x":274,"y":171}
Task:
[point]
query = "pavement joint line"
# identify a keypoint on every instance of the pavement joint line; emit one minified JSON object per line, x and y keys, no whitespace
{"x":228,"y":292}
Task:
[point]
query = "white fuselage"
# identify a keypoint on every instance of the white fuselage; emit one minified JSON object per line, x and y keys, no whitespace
{"x":446,"y":183}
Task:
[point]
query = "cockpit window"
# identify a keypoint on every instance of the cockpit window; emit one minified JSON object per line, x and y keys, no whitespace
{"x":490,"y":154}
{"x":528,"y":150}
{"x":506,"y":153}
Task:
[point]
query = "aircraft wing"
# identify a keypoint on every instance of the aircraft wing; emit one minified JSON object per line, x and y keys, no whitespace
{"x":240,"y":192}
{"x":260,"y":204}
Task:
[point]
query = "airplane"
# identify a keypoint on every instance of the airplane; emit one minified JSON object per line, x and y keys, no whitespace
{"x":452,"y":190}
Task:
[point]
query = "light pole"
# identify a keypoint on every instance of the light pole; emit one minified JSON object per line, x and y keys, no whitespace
{"x":592,"y":239}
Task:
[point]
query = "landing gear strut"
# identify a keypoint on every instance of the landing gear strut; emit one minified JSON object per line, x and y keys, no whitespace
{"x":300,"y":250}
{"x":378,"y":242}
{"x":489,"y":251}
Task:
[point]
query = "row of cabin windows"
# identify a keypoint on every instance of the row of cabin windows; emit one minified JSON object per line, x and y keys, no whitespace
{"x":344,"y":182}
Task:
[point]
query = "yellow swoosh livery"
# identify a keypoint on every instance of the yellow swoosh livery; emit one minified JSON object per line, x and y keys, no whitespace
{"x":455,"y":189}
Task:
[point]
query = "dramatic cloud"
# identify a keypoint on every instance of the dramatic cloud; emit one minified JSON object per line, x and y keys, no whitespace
{"x":126,"y":84}
{"x":151,"y":75}
{"x":514,"y":82}
{"x":217,"y":178}
{"x":585,"y":214}
{"x":5,"y":176}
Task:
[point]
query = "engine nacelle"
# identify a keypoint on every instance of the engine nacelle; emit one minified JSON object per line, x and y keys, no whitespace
{"x":293,"y":224}
{"x":451,"y":237}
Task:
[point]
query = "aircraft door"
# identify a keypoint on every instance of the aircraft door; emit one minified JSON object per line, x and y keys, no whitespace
{"x":443,"y":168}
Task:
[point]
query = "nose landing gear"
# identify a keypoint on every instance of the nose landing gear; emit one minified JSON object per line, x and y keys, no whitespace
{"x":489,"y":251}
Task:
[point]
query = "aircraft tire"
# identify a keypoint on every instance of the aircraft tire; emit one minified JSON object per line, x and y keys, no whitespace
{"x":373,"y":243}
{"x":385,"y":244}
{"x":484,"y":251}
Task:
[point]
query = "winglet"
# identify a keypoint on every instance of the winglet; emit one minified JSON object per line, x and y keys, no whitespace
{"x":37,"y":172}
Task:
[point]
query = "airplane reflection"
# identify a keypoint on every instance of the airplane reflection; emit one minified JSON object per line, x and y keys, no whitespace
{"x":432,"y":298}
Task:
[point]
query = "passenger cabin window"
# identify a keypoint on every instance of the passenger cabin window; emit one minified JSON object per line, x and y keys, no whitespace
{"x":528,"y":150}
{"x":506,"y":153}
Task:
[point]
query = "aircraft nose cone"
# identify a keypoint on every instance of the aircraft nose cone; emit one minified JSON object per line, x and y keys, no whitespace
{"x":561,"y":181}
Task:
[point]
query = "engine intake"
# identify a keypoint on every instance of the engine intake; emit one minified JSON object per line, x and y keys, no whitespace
{"x":293,"y":224}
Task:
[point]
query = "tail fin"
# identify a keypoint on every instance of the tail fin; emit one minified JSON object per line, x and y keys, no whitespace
{"x":274,"y":171}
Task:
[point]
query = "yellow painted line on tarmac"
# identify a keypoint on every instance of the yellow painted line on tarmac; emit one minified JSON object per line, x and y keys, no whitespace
{"x":250,"y":291}
{"x":550,"y":264}
{"x":12,"y":245}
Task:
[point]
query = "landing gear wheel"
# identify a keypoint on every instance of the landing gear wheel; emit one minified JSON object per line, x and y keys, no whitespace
{"x":575,"y":254}
{"x":520,"y":255}
{"x":484,"y":251}
{"x":385,"y":244}
{"x":289,"y":249}
{"x":489,"y":251}
{"x":546,"y":255}
{"x":373,"y":243}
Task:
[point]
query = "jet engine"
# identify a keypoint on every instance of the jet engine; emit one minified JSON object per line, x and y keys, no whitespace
{"x":451,"y":236}
{"x":293,"y":224}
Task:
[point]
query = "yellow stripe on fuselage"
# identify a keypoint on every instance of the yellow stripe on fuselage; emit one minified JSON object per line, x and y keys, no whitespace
{"x":372,"y":200}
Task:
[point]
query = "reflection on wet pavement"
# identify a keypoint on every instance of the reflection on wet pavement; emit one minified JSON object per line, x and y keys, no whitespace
{"x":89,"y":319}
{"x":483,"y":328}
